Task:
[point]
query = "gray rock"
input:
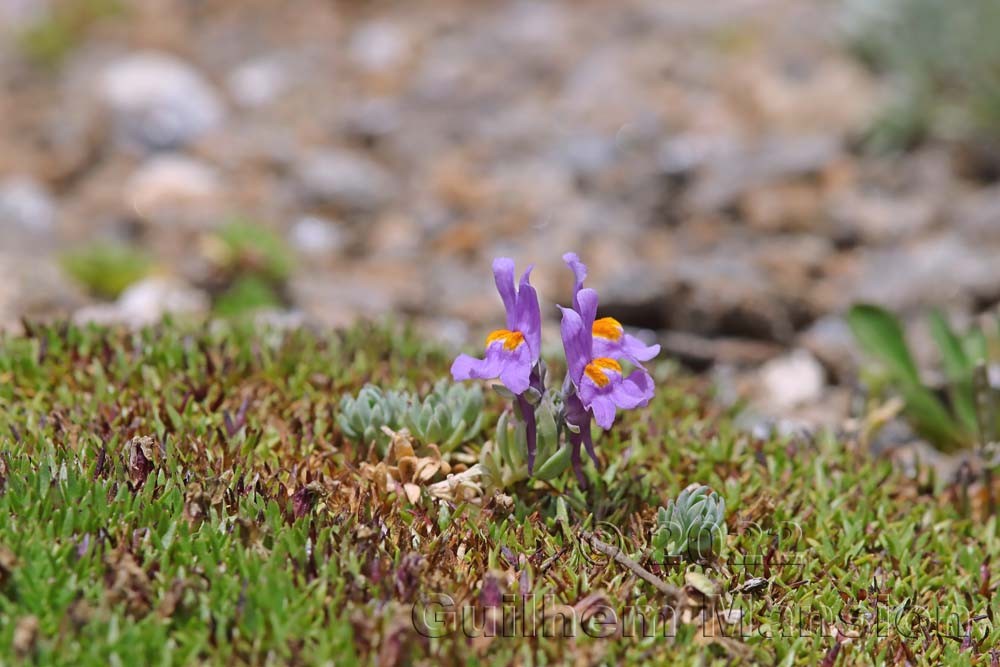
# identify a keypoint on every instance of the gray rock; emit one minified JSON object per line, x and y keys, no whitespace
{"x":26,"y":207}
{"x":734,"y":173}
{"x":318,"y":237}
{"x":18,"y":15}
{"x":158,"y":101}
{"x":874,"y":217}
{"x":338,"y":299}
{"x":721,"y":293}
{"x":258,"y":82}
{"x":344,"y":179}
{"x":684,"y":153}
{"x":146,"y":303}
{"x":978,"y":215}
{"x":830,"y":340}
{"x":373,"y":119}
{"x":585,"y":155}
{"x":379,"y":46}
{"x":33,"y":287}
{"x":937,"y":270}
{"x":792,"y":380}
{"x":175,"y":190}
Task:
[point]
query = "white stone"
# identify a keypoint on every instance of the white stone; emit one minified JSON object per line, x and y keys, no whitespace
{"x":346,"y":179}
{"x":257,"y":82}
{"x":792,"y":380}
{"x":25,"y":206}
{"x":174,"y":188}
{"x":379,"y":46}
{"x":158,"y":101}
{"x":146,"y":303}
{"x":312,"y":235}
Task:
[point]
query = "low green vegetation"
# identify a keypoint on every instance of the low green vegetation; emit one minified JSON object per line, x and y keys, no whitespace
{"x":248,"y":267}
{"x":247,"y":248}
{"x":106,"y":269}
{"x":250,"y":264}
{"x":958,"y":415}
{"x":180,"y":495}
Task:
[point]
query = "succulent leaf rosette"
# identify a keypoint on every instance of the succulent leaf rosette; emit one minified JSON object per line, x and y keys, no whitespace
{"x":450,"y":415}
{"x":693,"y":525}
{"x":362,"y":417}
{"x":447,"y":417}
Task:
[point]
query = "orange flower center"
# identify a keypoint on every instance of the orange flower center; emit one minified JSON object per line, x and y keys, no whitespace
{"x":511,"y":339}
{"x":608,"y":327}
{"x":598,"y":369}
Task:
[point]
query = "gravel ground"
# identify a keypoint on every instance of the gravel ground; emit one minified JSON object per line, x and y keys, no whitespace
{"x":701,"y":156}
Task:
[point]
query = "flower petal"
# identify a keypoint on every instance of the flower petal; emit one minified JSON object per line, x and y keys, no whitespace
{"x":503,"y":276}
{"x":516,"y":370}
{"x":513,"y":367}
{"x":627,"y":347}
{"x":469,"y":368}
{"x":587,"y":307}
{"x":638,"y":351}
{"x":579,"y":270}
{"x":604,"y":411}
{"x":528,"y":317}
{"x":634,"y":391}
{"x":576,"y":343}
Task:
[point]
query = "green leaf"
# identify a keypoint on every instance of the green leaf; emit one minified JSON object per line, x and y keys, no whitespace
{"x":957,"y":369}
{"x":956,"y":363}
{"x":555,"y":465}
{"x":976,"y":347}
{"x":931,"y":419}
{"x":881,"y":337}
{"x":547,"y":435}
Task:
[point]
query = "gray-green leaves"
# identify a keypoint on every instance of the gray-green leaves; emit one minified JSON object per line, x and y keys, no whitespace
{"x":450,"y":415}
{"x":362,"y":417}
{"x":693,"y":526}
{"x":505,"y":458}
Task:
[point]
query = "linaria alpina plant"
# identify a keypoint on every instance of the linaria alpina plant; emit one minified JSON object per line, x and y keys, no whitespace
{"x":596,"y":385}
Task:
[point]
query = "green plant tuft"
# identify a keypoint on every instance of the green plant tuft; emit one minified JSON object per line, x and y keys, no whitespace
{"x":252,"y":249}
{"x":362,"y":417}
{"x":106,"y":269}
{"x":246,"y":295}
{"x":952,"y":419}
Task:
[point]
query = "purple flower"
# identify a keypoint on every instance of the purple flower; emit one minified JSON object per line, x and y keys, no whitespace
{"x":511,"y":353}
{"x":610,"y":339}
{"x":599,"y":381}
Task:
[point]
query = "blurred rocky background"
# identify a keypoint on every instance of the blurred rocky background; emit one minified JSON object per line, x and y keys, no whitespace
{"x":735,"y":172}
